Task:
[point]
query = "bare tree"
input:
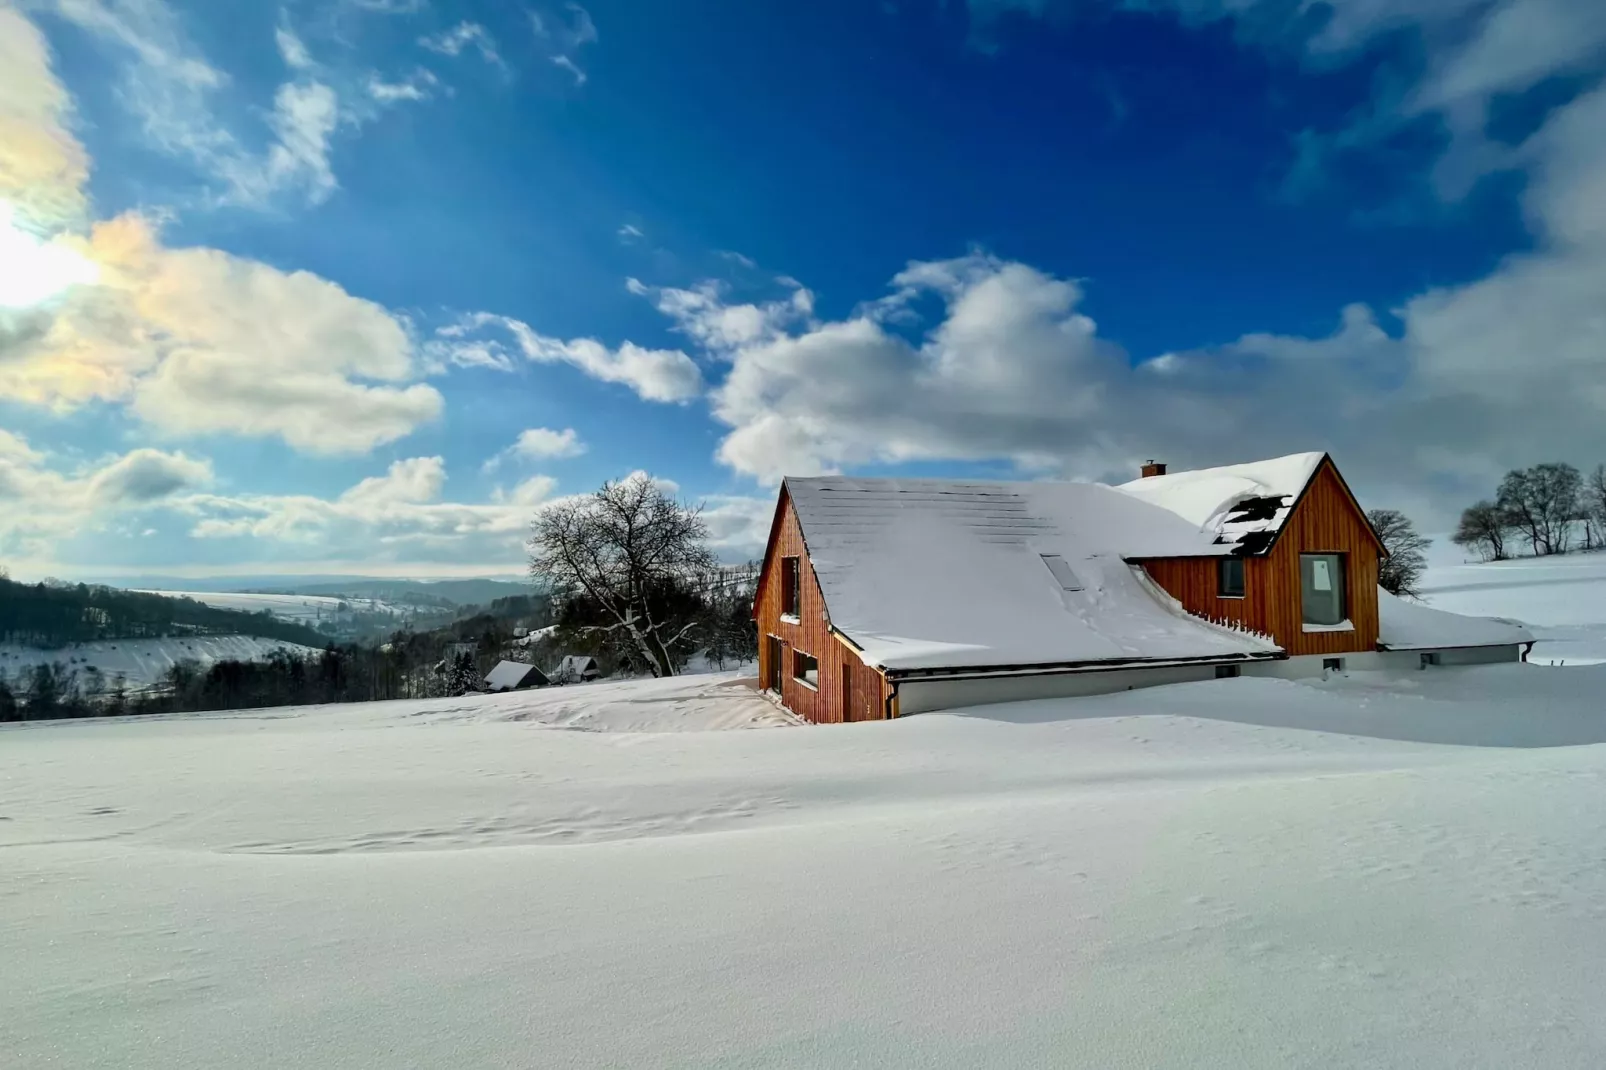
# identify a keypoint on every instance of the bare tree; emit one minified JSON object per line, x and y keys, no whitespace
{"x":1593,"y":508}
{"x":630,"y":550}
{"x":1542,"y":502}
{"x":1401,"y":571}
{"x":1483,"y":528}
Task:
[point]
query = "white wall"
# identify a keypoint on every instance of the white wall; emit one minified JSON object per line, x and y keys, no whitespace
{"x":1307,"y":666}
{"x":926,"y":696}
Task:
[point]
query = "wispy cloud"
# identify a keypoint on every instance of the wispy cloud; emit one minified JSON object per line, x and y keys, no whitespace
{"x":465,"y":35}
{"x":420,"y":85}
{"x":565,"y":36}
{"x":654,"y":374}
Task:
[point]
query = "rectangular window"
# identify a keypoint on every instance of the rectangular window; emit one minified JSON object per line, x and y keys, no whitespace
{"x":1062,"y":572}
{"x":1226,"y":672}
{"x":847,"y":693}
{"x":1230,"y":577}
{"x":1332,"y":665}
{"x":791,"y":586}
{"x":773,"y":648}
{"x":1430,"y":657}
{"x":1321,"y":588}
{"x":805,"y":669}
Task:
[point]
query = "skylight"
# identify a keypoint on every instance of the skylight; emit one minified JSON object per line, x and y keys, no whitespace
{"x":1062,"y":572}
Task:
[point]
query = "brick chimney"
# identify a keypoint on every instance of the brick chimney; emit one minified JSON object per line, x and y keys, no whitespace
{"x":1153,"y":468}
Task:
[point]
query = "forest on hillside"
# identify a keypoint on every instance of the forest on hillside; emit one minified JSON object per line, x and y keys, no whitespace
{"x":51,"y":616}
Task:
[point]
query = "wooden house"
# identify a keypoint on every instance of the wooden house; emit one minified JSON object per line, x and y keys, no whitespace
{"x":884,"y":597}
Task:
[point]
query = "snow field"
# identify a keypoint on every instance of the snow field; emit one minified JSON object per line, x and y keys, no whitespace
{"x":1231,"y":874}
{"x":302,"y":608}
{"x":1561,"y":598}
{"x":143,"y":662}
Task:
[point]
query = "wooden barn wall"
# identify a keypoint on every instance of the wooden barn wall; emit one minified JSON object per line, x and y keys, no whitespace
{"x":1326,"y":521}
{"x":812,"y":635}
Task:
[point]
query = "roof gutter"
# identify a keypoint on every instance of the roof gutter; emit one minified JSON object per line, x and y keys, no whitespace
{"x":968,"y":672}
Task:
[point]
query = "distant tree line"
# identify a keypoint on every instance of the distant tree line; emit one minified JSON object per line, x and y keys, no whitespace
{"x":409,"y":667}
{"x":1547,"y":509}
{"x":51,"y":616}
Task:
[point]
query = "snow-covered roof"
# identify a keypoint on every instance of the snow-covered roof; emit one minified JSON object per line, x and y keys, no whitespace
{"x":942,"y":574}
{"x":1406,"y":625}
{"x":575,"y":664}
{"x":1242,"y":505}
{"x":511,"y":674}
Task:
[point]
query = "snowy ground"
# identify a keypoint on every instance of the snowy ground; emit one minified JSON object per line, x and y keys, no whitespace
{"x":304,"y":608}
{"x":142,"y":662}
{"x":1245,"y":873}
{"x":1563,"y":599}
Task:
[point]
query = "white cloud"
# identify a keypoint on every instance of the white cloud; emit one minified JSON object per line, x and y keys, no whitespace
{"x":542,"y":442}
{"x":703,"y":316}
{"x":292,"y":49}
{"x":654,"y":374}
{"x":147,"y":475}
{"x":629,"y":233}
{"x":195,"y":340}
{"x":569,"y":65}
{"x":390,"y":7}
{"x":43,"y":168}
{"x":44,"y":499}
{"x":170,"y":88}
{"x":1478,"y":378}
{"x":420,"y":85}
{"x":565,"y":37}
{"x":452,"y":42}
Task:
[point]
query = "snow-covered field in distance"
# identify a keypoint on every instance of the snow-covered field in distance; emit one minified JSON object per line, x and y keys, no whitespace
{"x":1562,"y":598}
{"x":143,"y":662}
{"x":1372,"y":871}
{"x":303,"y":608}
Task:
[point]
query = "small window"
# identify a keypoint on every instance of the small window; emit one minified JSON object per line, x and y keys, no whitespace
{"x":1430,"y":657}
{"x":1332,"y":665}
{"x":1227,"y":672}
{"x":805,"y":668}
{"x":1062,"y":572}
{"x":1230,"y":577}
{"x":1321,"y":588}
{"x":791,"y":586}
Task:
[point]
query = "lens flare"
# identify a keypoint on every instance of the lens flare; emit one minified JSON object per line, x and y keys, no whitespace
{"x":34,"y":271}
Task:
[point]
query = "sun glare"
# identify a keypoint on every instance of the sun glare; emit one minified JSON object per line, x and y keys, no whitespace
{"x":34,"y":271}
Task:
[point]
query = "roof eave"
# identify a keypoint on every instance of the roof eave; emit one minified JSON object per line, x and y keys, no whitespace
{"x":1057,"y":668}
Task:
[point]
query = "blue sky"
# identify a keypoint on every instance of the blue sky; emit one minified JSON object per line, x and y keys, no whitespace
{"x":360,"y":284}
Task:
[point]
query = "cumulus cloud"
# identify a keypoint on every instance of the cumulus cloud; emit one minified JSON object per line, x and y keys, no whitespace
{"x":483,"y":338}
{"x":194,"y":340}
{"x":399,"y":518}
{"x":147,"y":475}
{"x":538,"y":444}
{"x":1473,"y":379}
{"x":703,"y":315}
{"x":542,"y":442}
{"x":44,"y":498}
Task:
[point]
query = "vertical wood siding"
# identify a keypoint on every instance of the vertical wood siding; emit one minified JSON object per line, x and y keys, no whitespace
{"x":812,"y":635}
{"x":1326,"y":521}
